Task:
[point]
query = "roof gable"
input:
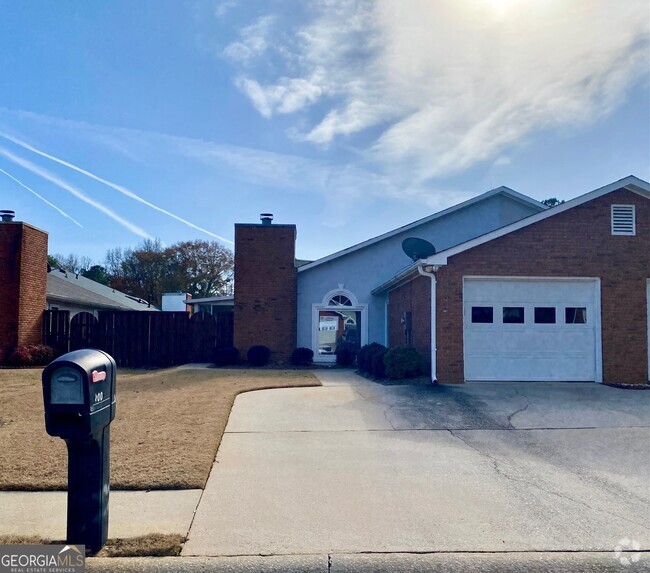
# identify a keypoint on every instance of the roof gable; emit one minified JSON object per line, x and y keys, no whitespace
{"x":503,"y":191}
{"x":631,"y":183}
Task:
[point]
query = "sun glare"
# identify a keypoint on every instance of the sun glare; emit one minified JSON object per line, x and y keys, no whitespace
{"x":500,"y":7}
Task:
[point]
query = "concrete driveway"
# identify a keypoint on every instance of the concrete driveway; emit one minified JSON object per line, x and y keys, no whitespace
{"x":356,"y":467}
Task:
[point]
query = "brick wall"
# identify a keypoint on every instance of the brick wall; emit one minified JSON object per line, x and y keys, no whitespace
{"x":415,"y":298}
{"x":265,"y":288}
{"x":23,"y":268}
{"x":575,"y":243}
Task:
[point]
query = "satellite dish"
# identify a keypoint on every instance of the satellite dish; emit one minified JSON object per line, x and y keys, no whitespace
{"x":417,"y":249}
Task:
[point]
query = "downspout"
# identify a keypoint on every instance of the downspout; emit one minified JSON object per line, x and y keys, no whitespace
{"x":430,"y":271}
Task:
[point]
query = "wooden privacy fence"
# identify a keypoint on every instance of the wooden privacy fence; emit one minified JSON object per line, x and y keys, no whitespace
{"x":138,"y":339}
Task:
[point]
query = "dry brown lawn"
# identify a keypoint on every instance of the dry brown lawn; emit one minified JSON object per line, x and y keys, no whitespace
{"x":153,"y":545}
{"x":166,"y":433}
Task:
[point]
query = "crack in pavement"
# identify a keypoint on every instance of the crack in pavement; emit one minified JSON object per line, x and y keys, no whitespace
{"x":495,"y":463}
{"x":377,"y":401}
{"x":528,"y":403}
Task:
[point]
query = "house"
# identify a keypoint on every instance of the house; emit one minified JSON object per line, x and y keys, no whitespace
{"x":75,"y":293}
{"x":515,"y":291}
{"x":328,"y":301}
{"x":561,"y":295}
{"x":176,"y":302}
{"x":347,"y":278}
{"x":212,"y":305}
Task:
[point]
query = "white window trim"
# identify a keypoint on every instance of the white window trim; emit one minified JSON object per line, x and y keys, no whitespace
{"x":324,"y":305}
{"x":619,"y":233}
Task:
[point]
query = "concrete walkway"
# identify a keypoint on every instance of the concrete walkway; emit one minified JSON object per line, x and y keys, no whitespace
{"x":355,"y":467}
{"x":131,"y":513}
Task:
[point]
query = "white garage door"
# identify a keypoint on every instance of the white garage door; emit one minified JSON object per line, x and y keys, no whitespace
{"x":533,"y":329}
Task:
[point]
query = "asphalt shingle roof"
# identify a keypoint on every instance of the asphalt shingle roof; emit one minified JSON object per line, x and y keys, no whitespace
{"x":71,"y":288}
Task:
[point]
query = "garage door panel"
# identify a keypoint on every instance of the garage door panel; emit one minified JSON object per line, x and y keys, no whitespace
{"x":525,"y":368}
{"x":530,"y":351}
{"x":540,"y":341}
{"x":521,"y":291}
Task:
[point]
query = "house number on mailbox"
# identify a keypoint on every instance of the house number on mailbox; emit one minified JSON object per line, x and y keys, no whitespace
{"x":99,"y":397}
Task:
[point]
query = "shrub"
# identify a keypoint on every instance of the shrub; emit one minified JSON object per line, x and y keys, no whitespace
{"x":345,"y":354}
{"x":258,"y":355}
{"x":302,"y":356}
{"x":226,"y":356}
{"x":364,"y":358}
{"x":378,"y":369}
{"x":402,"y":362}
{"x":42,"y":354}
{"x":31,"y":355}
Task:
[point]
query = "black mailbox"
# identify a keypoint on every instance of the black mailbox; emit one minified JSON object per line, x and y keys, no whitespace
{"x":79,"y":396}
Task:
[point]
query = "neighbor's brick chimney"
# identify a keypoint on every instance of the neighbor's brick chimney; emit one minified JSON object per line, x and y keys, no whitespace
{"x":265,"y":287}
{"x":23,"y":282}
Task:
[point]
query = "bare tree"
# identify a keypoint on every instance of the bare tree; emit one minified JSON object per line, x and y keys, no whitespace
{"x":71,"y":263}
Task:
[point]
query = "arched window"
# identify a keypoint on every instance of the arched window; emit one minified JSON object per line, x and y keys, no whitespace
{"x":339,"y":300}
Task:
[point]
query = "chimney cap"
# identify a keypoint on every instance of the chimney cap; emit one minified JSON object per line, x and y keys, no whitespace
{"x":266,"y":218}
{"x":7,"y":215}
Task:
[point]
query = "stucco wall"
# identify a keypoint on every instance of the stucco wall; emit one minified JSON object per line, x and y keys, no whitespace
{"x":362,"y":271}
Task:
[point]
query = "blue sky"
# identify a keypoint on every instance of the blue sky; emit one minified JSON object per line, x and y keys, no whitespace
{"x":177,"y":119}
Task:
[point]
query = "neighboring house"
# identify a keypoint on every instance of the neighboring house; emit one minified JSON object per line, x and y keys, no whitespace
{"x":176,"y":302}
{"x":520,"y":291}
{"x":70,"y":291}
{"x":212,"y":305}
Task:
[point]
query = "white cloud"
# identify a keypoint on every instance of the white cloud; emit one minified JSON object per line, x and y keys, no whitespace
{"x":352,"y":185}
{"x":253,"y":41}
{"x":450,"y":83}
{"x":224,"y":7}
{"x":287,"y":96}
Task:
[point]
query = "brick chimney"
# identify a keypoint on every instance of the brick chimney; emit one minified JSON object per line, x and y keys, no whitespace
{"x":23,"y":282}
{"x":265,"y":287}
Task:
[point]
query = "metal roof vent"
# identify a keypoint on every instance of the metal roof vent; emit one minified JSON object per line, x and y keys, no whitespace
{"x":623,"y":220}
{"x":266,"y":218}
{"x":7,"y":215}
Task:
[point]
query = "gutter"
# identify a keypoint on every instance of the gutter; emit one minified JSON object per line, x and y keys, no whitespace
{"x":78,"y":302}
{"x":426,"y":270}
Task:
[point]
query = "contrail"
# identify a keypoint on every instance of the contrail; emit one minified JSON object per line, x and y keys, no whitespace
{"x":117,"y":187}
{"x":74,"y":191}
{"x":41,"y":198}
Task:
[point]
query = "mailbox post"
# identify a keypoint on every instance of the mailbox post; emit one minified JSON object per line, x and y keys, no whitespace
{"x":79,"y":397}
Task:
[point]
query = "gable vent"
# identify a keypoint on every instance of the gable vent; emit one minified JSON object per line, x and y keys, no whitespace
{"x":623,"y":220}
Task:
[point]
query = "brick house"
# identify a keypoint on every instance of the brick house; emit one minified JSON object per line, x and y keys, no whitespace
{"x":560,"y":295}
{"x":515,"y":292}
